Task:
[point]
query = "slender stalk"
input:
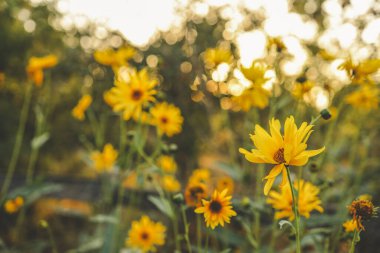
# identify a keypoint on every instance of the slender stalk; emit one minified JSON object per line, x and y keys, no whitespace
{"x":353,"y":243}
{"x":199,"y":233}
{"x":186,"y":225}
{"x":18,"y":141}
{"x":295,"y":211}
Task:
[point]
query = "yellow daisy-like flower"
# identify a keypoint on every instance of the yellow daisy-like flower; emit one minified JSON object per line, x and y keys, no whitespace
{"x":170,"y":183}
{"x":167,"y":164}
{"x":366,"y":98}
{"x":256,"y":73}
{"x":301,"y":88}
{"x":36,"y":65}
{"x":225,"y":183}
{"x":131,"y":97}
{"x":253,"y":97}
{"x":281,"y":150}
{"x":146,"y":234}
{"x":200,"y":176}
{"x":104,"y":161}
{"x":214,"y":56}
{"x":218,"y":210}
{"x":13,"y":205}
{"x":113,"y":58}
{"x":83,"y":104}
{"x":360,"y":73}
{"x":167,"y":118}
{"x":308,"y":200}
{"x":350,"y":226}
{"x":194,"y":193}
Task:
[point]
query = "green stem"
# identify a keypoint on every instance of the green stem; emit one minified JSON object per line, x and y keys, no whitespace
{"x":199,"y":233}
{"x":18,"y":141}
{"x":186,"y":225}
{"x":295,"y":211}
{"x":353,"y":243}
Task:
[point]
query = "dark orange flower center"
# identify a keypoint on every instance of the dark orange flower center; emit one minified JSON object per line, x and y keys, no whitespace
{"x":279,"y":156}
{"x":215,"y":206}
{"x":144,"y":236}
{"x":164,"y":120}
{"x":136,"y":95}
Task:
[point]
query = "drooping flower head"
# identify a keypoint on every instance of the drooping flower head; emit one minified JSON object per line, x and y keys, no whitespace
{"x":167,"y":164}
{"x":218,"y":210}
{"x":83,"y":104}
{"x":130,"y":97}
{"x":362,"y":210}
{"x":308,"y":200}
{"x":146,"y":235}
{"x":214,"y":56}
{"x":167,"y":118}
{"x":366,"y":98}
{"x":104,"y":161}
{"x":14,"y":205}
{"x":281,"y":150}
{"x":36,"y":65}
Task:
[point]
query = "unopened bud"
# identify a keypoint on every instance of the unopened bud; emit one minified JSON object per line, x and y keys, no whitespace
{"x":325,"y":113}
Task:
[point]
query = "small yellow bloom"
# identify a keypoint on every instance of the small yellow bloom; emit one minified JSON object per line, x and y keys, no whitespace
{"x":308,"y":200}
{"x":13,"y":205}
{"x":327,"y":56}
{"x":113,"y":58}
{"x":104,"y":161}
{"x":300,"y":89}
{"x":350,"y":226}
{"x":36,"y":65}
{"x":167,"y":164}
{"x":253,"y":97}
{"x":218,"y":210}
{"x":256,"y":73}
{"x":214,"y":56}
{"x":167,"y":118}
{"x":281,"y":150}
{"x":225,"y":183}
{"x":200,"y":176}
{"x":194,"y":193}
{"x":277,"y":43}
{"x":83,"y":104}
{"x":366,"y":98}
{"x":170,"y":184}
{"x":360,"y":73}
{"x":146,"y":234}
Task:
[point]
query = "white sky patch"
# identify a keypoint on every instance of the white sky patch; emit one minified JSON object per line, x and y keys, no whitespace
{"x":251,"y":46}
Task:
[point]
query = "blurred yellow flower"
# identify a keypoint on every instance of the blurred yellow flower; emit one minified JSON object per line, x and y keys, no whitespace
{"x":301,"y":88}
{"x":170,"y":184}
{"x":132,"y":96}
{"x":36,"y":65}
{"x":113,"y":58}
{"x":253,"y":97}
{"x":281,"y":150}
{"x":167,"y":118}
{"x":194,"y":193}
{"x":327,"y":56}
{"x":277,"y":43}
{"x":225,"y":182}
{"x":79,"y":110}
{"x":256,"y":73}
{"x":104,"y":161}
{"x":308,"y":200}
{"x":13,"y":205}
{"x":366,"y":98}
{"x":360,"y":73}
{"x":365,"y":197}
{"x":214,"y":56}
{"x":200,"y":176}
{"x":167,"y":164}
{"x":218,"y":210}
{"x":146,"y":234}
{"x":350,"y":226}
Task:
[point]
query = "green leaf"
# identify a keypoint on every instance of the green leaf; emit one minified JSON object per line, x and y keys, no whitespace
{"x":39,"y":141}
{"x":163,"y":205}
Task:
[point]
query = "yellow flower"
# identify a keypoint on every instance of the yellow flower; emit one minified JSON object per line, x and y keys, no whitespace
{"x":200,"y":176}
{"x":146,"y":234}
{"x":170,"y":184}
{"x":225,"y":183}
{"x":113,"y":58}
{"x":253,"y":97}
{"x":79,"y":110}
{"x":256,"y":73}
{"x":36,"y":65}
{"x":167,"y":164}
{"x":218,"y":210}
{"x":277,"y":43}
{"x":365,"y":98}
{"x":167,"y":118}
{"x":301,"y":88}
{"x":362,"y":210}
{"x":104,"y":161}
{"x":132,"y":96}
{"x":350,"y":226}
{"x":13,"y":205}
{"x":194,"y":193}
{"x":307,"y":200}
{"x":214,"y":56}
{"x":281,"y":150}
{"x":360,"y":73}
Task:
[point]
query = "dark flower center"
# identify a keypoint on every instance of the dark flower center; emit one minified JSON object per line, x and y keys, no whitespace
{"x":144,"y":236}
{"x":279,"y":156}
{"x":164,"y":120}
{"x":196,"y":191}
{"x":136,"y":95}
{"x":215,"y":206}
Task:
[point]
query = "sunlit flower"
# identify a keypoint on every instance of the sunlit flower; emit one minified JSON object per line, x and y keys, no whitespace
{"x":253,"y":97}
{"x":308,"y":200}
{"x":327,"y":56}
{"x":215,"y":56}
{"x":225,"y":183}
{"x":113,"y":58}
{"x":36,"y":65}
{"x":200,"y":176}
{"x":104,"y":161}
{"x":256,"y":73}
{"x":350,"y":226}
{"x":362,"y":210}
{"x":146,"y":234}
{"x":131,"y":97}
{"x":13,"y":205}
{"x":79,"y":110}
{"x":194,"y":193}
{"x":360,"y":73}
{"x":302,"y":88}
{"x":167,"y":164}
{"x":281,"y":150}
{"x":218,"y":210}
{"x":170,"y":184}
{"x":167,"y":118}
{"x":277,"y":43}
{"x":367,"y":98}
